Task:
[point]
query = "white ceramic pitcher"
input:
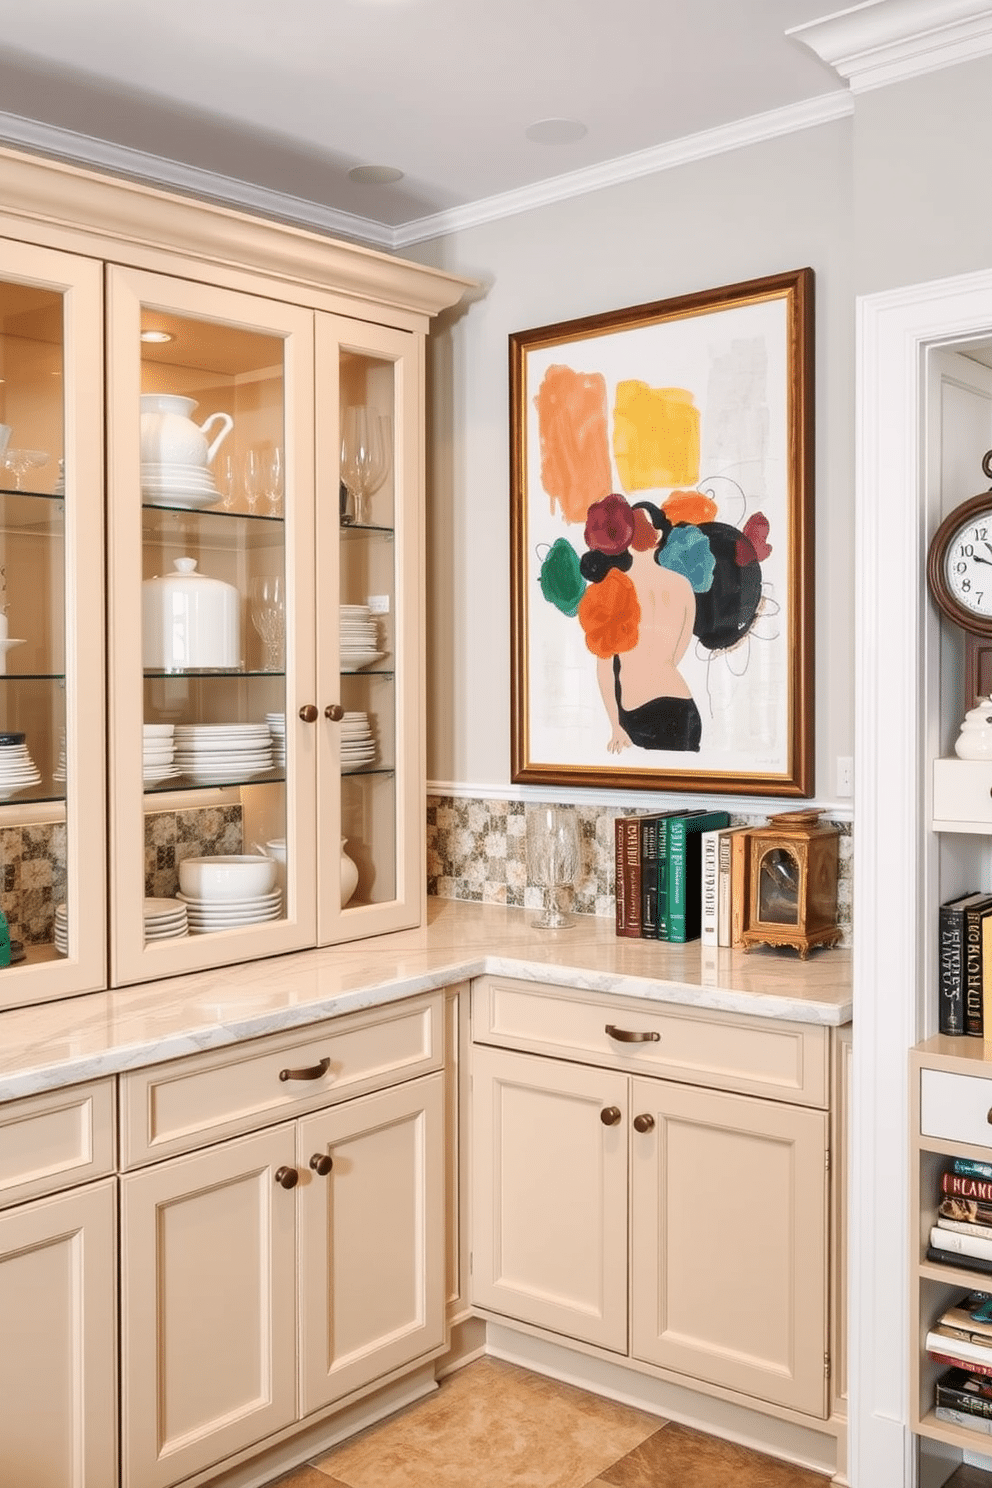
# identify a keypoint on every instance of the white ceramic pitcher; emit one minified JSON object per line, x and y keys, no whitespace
{"x":170,"y":437}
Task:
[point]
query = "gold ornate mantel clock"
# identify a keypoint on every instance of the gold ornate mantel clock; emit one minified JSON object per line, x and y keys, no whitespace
{"x":792,"y":873}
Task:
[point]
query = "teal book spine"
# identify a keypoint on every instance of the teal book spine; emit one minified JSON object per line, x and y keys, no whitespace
{"x":683,"y":872}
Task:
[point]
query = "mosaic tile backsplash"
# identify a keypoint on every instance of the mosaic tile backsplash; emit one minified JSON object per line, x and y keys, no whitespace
{"x":34,"y":858}
{"x":477,"y":849}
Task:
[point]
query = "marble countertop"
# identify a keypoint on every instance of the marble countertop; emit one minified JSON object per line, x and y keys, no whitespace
{"x":101,"y":1033}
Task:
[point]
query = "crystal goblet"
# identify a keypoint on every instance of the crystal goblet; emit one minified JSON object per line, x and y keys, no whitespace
{"x":20,"y":461}
{"x":267,"y":607}
{"x":365,"y":446}
{"x":553,"y":858}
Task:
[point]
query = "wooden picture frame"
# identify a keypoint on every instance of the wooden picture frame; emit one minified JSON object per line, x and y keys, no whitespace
{"x":662,"y":544}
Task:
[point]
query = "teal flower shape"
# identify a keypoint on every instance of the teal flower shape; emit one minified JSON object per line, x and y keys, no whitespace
{"x":688,"y":552}
{"x":562,"y":583}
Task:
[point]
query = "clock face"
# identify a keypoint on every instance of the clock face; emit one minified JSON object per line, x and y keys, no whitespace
{"x":968,"y":566}
{"x":959,"y":565}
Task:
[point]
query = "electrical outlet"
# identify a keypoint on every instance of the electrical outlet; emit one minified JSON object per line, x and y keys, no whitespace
{"x":378,"y":604}
{"x":845,"y":775}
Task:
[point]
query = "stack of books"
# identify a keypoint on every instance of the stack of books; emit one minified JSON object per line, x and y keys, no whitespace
{"x":962,"y":1235}
{"x":964,"y":973}
{"x":659,"y":882}
{"x":962,"y":1338}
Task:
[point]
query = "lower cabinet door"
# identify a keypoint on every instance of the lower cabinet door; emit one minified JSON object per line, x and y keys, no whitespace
{"x":58,"y":1331}
{"x":549,"y":1194}
{"x":728,"y":1241}
{"x":372,"y":1236}
{"x":208,"y":1288}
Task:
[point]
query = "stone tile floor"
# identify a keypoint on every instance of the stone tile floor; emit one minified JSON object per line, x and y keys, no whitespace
{"x":494,"y":1425}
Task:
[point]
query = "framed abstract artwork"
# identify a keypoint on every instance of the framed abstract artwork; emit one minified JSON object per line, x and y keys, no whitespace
{"x":662,"y":544}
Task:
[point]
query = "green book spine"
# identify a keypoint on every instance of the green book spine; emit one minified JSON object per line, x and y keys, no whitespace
{"x":683,"y":872}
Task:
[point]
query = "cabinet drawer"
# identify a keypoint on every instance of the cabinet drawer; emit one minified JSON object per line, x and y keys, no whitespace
{"x":962,"y":792}
{"x":957,"y":1108}
{"x":55,"y":1141}
{"x":191,"y":1102}
{"x":789,"y":1061}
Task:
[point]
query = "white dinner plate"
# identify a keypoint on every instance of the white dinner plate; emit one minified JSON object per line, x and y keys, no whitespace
{"x":233,"y":922}
{"x":251,"y":901}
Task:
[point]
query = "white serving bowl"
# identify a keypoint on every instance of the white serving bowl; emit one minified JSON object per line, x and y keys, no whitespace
{"x":227,"y":876}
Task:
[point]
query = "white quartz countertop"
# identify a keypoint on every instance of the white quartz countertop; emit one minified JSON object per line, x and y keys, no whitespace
{"x":101,"y":1033}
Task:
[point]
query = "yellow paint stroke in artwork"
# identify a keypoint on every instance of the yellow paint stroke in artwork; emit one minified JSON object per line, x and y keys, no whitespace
{"x":655,"y":437}
{"x":575,"y":450}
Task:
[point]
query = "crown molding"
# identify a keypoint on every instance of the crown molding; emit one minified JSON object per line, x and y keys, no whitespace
{"x":889,"y":41}
{"x":136,"y":165}
{"x":759,"y":127}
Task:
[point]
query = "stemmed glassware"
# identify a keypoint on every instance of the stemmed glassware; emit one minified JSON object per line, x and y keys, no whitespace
{"x":254,"y":476}
{"x":366,"y":438}
{"x":20,"y":461}
{"x":553,"y":859}
{"x":267,"y":607}
{"x":272,"y":478}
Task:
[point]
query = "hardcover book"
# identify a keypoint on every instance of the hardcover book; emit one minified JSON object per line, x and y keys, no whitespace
{"x":961,"y":1390}
{"x":970,"y":1167}
{"x":966,"y":1187}
{"x":955,"y":1258}
{"x":628,"y":875}
{"x":966,"y":1355}
{"x":683,"y":855}
{"x":970,"y":1318}
{"x":975,"y":911}
{"x":967,"y":1419}
{"x":953,"y":1243}
{"x":709,"y":928}
{"x":652,"y":872}
{"x":974,"y":1211}
{"x":950,"y":938}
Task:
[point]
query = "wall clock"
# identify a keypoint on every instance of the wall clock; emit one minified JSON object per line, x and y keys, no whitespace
{"x":959,"y":572}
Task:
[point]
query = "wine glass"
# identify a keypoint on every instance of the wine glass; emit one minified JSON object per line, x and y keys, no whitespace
{"x":225,"y":480}
{"x":272,"y":478}
{"x":267,"y":607}
{"x":20,"y":461}
{"x":254,"y":476}
{"x":553,"y":857}
{"x":365,"y":441}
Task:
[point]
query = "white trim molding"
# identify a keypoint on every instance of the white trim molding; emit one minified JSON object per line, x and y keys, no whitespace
{"x":896,"y":850}
{"x":887,"y":41}
{"x":627,"y":800}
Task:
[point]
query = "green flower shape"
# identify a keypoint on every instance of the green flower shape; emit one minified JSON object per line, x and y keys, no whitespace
{"x":562,"y":583}
{"x":688,"y":552}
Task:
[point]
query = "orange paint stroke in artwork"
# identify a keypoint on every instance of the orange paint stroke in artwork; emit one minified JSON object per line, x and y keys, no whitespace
{"x":610,"y":615}
{"x":575,"y":450}
{"x":655,"y":437}
{"x":689,"y":506}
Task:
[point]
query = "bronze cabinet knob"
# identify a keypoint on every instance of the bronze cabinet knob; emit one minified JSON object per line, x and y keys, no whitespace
{"x":287,"y":1177}
{"x":308,"y":713}
{"x":321,"y":1163}
{"x":334,"y":712}
{"x":644,"y":1123}
{"x":610,"y":1115}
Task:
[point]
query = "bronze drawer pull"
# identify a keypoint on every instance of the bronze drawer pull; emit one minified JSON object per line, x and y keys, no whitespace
{"x":287,"y":1177}
{"x":313,"y":1073}
{"x":627,"y":1036}
{"x":322,"y":1163}
{"x":610,"y":1115}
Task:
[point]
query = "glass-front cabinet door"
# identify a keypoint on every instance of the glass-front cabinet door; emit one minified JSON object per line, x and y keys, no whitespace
{"x":265,"y":630}
{"x":371,"y":639}
{"x":211,"y":521}
{"x":52,"y":759}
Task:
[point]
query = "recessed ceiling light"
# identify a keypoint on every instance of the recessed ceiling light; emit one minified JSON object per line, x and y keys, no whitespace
{"x":157,"y":336}
{"x":556,"y":131}
{"x":375,"y":175}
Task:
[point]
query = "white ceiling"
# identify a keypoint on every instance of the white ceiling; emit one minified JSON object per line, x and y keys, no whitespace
{"x":289,"y":95}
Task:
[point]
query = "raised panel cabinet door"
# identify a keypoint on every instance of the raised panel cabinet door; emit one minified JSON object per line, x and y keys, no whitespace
{"x":208,"y":1287}
{"x":549,"y":1194}
{"x":372,"y":1266}
{"x":58,"y":1341}
{"x":729,"y":1241}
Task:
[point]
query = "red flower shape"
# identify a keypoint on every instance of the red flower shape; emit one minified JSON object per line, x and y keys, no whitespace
{"x":756,"y":531}
{"x":609,"y":525}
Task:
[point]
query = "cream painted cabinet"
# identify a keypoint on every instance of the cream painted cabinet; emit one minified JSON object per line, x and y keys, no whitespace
{"x":268,"y":1277}
{"x":273,"y":678}
{"x":678,"y":1224}
{"x":58,"y":1340}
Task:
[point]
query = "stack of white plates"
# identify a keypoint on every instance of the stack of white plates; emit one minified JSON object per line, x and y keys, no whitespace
{"x":59,"y":773}
{"x":62,"y":929}
{"x":357,"y":743}
{"x":204,"y":915}
{"x":165,"y":919}
{"x":189,"y":486}
{"x":277,"y":728}
{"x":359,"y":638}
{"x":18,"y":770}
{"x":158,"y":759}
{"x":212,"y":753}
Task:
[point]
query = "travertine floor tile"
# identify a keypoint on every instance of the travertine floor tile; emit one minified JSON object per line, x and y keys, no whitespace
{"x":305,"y":1477}
{"x":492,"y":1425}
{"x":676,"y":1457}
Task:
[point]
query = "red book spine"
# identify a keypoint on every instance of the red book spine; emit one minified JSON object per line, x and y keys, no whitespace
{"x":960,"y":1363}
{"x":967,"y":1188}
